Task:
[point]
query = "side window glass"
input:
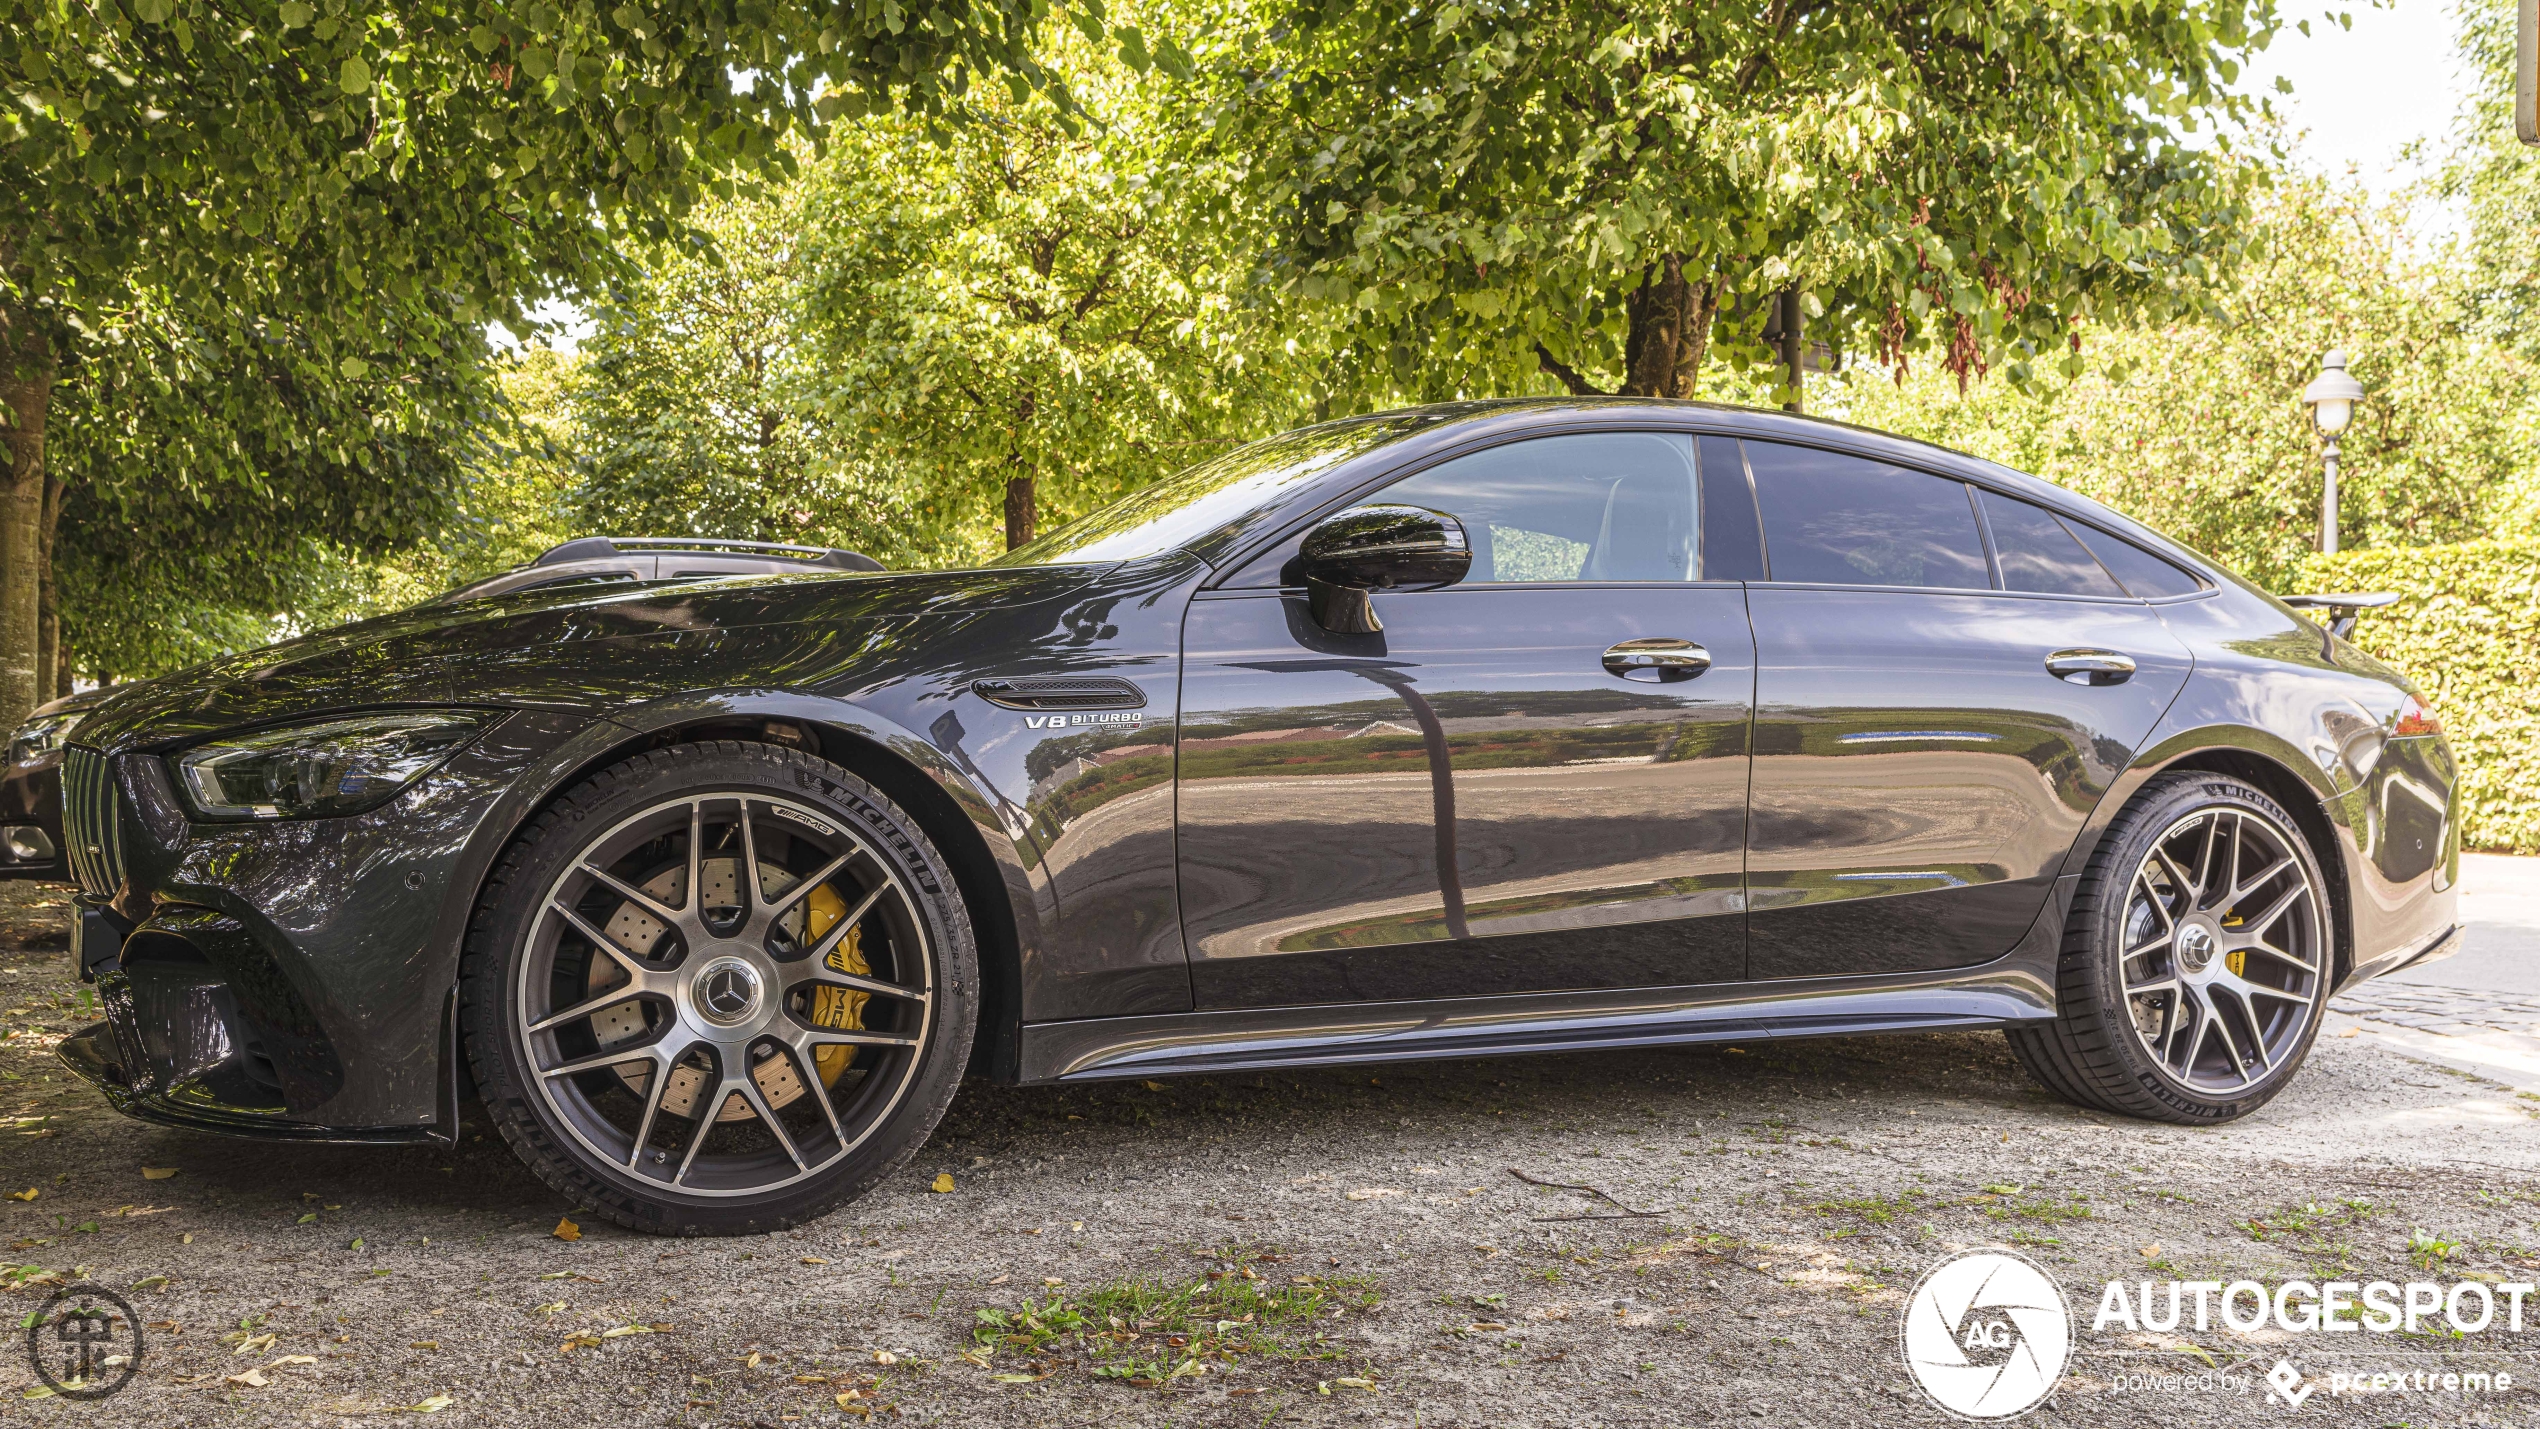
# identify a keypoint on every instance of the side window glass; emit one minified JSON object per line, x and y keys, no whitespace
{"x":1598,"y":506}
{"x":2141,"y":572}
{"x":2038,"y":554}
{"x":1847,"y":520}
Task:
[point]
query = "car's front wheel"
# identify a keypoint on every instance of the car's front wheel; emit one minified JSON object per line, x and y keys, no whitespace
{"x":719,"y":988}
{"x":2196,"y":961}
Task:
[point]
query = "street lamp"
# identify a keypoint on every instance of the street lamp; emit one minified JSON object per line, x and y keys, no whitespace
{"x":2331,"y":397}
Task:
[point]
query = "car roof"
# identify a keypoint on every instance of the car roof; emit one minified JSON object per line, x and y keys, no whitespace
{"x":595,"y":560}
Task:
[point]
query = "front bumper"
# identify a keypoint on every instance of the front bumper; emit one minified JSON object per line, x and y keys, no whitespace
{"x":292,"y":978}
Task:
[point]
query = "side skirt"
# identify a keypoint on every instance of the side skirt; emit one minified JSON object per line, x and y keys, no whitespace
{"x":2000,"y":994}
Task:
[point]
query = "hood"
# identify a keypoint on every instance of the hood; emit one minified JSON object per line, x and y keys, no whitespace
{"x":580,"y":652}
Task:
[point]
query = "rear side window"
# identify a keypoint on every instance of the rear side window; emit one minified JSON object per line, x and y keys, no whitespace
{"x":2037,"y":553}
{"x":2142,"y":573}
{"x":1845,"y":520}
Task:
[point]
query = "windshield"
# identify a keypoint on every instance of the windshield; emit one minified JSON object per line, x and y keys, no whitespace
{"x":1213,"y":498}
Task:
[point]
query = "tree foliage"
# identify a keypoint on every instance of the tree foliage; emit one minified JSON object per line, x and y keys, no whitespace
{"x":2197,"y":427}
{"x":1603,"y":191}
{"x":335,"y":194}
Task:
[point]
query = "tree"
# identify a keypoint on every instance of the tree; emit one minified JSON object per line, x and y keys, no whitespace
{"x":339,"y":187}
{"x":2196,"y":427}
{"x":688,"y":404}
{"x":1020,"y":312}
{"x":1603,"y":195}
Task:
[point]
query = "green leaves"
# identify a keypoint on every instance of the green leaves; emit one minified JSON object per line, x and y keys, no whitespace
{"x":353,"y":77}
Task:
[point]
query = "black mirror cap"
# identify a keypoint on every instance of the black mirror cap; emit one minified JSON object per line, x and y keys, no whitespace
{"x":1369,"y":548}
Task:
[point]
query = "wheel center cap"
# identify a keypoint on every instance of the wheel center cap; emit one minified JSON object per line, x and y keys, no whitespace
{"x":727,"y":991}
{"x":2196,"y":945}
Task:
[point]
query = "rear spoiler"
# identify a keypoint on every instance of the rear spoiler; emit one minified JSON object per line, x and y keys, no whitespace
{"x":2343,"y":607}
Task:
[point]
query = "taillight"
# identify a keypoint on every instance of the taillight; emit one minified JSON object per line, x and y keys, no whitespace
{"x":2415,"y":718}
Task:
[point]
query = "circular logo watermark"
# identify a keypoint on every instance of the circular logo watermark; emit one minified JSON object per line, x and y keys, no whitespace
{"x":1987,"y":1334}
{"x":85,"y":1343}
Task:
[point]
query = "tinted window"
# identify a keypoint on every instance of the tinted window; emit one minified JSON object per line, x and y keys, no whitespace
{"x":1603,"y":506}
{"x":2141,"y":572}
{"x":1732,"y":542}
{"x":1847,"y":520}
{"x":2037,"y":553}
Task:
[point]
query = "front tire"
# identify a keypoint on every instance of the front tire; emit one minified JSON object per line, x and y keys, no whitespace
{"x":718,"y":989}
{"x":2196,"y":962}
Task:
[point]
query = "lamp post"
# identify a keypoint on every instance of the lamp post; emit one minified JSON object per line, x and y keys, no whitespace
{"x":2331,"y":397}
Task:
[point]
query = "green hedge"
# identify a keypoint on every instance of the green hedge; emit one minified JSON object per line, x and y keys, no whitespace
{"x":2468,"y":634}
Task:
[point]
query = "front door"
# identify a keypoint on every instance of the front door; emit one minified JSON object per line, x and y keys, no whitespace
{"x":1921,"y":766}
{"x":1486,"y":797}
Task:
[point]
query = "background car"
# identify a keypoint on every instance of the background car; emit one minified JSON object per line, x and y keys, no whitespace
{"x":30,"y":788}
{"x":1488,"y":727}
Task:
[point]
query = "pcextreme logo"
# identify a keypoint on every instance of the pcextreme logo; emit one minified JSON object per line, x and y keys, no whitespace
{"x":1987,"y":1334}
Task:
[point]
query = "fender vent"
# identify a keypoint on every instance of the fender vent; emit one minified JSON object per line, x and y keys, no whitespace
{"x":1062,"y":692}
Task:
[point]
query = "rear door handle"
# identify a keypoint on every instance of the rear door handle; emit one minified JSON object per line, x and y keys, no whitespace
{"x":2090,"y":667}
{"x":1658,"y":658}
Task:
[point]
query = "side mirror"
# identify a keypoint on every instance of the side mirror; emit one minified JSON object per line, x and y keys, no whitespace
{"x":1371,"y":548}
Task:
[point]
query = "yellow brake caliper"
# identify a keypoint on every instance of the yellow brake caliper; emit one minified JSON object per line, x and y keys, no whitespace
{"x":2238,"y":959}
{"x":835,"y":1007}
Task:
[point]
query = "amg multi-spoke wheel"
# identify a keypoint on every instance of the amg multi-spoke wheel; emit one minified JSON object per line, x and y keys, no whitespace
{"x":2197,"y":960}
{"x":719,"y":987}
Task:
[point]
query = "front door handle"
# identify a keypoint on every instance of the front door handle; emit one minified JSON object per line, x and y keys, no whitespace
{"x":1657,"y":658}
{"x":2090,"y":667}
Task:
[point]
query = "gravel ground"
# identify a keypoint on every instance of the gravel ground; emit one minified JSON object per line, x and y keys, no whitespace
{"x":1374,"y":1225}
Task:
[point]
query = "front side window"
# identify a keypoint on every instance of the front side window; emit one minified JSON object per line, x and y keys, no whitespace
{"x":1596,"y":506}
{"x":1836,"y":519}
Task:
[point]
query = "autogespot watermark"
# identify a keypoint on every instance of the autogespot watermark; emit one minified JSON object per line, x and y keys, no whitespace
{"x":1987,"y":1334}
{"x":85,"y":1343}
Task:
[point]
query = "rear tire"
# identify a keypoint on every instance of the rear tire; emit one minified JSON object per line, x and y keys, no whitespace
{"x":2196,"y":961}
{"x":718,"y":989}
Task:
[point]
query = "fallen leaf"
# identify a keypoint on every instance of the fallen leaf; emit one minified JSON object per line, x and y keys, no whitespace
{"x":2151,"y":1251}
{"x":254,"y":1345}
{"x":1152,"y":1086}
{"x":943,"y":1181}
{"x":1018,"y":1378}
{"x":1367,"y":1384}
{"x":434,"y":1405}
{"x":1371,"y":1193}
{"x":29,"y":1194}
{"x":157,"y":1173}
{"x":425,"y":1345}
{"x":291,"y":1359}
{"x":1053,"y":1284}
{"x":1000,"y":1280}
{"x":2349,"y":1032}
{"x":579,"y":1342}
{"x":885,"y":1357}
{"x":253,"y":1379}
{"x":813,"y":1260}
{"x":629,"y":1330}
{"x":566,"y":1229}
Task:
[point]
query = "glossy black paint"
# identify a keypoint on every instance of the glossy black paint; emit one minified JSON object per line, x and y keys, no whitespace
{"x":1587,"y":885}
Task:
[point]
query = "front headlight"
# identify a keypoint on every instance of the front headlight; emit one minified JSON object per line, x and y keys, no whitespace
{"x":41,"y":737}
{"x":343,"y":766}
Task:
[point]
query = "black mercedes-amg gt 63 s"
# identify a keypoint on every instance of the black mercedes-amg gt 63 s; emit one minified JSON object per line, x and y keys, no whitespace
{"x":1481,"y":728}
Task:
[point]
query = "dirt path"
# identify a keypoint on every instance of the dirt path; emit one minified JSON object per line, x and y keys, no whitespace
{"x":1394,"y":1270}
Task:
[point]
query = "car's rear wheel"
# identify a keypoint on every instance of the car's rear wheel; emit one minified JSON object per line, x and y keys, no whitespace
{"x":719,"y":988}
{"x":2196,"y":961}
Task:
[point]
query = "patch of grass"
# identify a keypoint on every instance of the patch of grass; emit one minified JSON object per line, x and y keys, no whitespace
{"x":2429,"y":1250}
{"x":2005,"y":1203}
{"x":1149,"y":1332}
{"x":1877,"y":1210}
{"x":2308,"y":1220}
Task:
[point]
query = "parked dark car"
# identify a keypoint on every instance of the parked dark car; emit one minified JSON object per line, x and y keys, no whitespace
{"x":1479,"y":728}
{"x":30,"y":788}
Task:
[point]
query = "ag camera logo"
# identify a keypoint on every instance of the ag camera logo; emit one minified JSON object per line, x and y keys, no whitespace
{"x":1987,"y":1334}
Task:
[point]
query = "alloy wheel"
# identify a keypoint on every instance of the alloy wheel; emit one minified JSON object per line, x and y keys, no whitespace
{"x":724,"y":995}
{"x":2223,"y":955}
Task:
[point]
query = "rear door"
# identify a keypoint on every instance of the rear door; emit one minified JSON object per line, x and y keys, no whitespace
{"x":1484,"y":798}
{"x":1920,"y":772}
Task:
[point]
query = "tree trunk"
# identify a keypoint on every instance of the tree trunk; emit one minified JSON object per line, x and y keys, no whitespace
{"x":63,"y":668}
{"x":1019,"y":511}
{"x":48,"y":612}
{"x":26,"y":390}
{"x":1670,"y":331}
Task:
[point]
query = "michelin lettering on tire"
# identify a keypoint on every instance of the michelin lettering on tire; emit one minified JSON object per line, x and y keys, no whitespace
{"x":1987,"y":1334}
